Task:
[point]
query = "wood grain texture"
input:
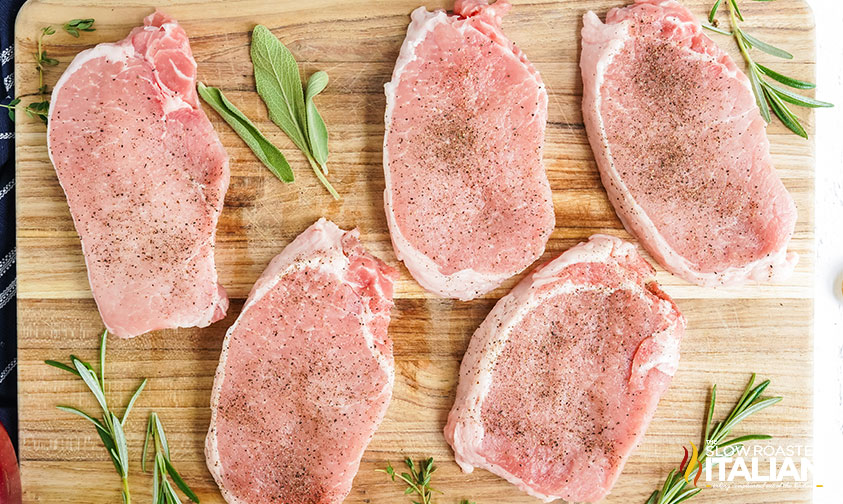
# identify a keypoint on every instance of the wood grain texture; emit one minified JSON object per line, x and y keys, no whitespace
{"x":731,"y":331}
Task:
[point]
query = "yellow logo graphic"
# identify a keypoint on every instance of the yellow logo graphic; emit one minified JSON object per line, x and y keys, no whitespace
{"x":692,"y":464}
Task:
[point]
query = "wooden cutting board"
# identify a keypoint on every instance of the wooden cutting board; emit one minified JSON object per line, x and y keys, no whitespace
{"x":731,"y":332}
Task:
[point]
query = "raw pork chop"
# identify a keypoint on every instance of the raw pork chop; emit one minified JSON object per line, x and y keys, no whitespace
{"x":145,"y":176}
{"x":682,"y":147}
{"x":561,"y":380}
{"x":467,"y":199}
{"x":305,"y":374}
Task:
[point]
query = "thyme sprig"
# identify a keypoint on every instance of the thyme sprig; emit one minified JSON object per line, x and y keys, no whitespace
{"x":110,"y":426}
{"x":677,"y":485}
{"x":768,"y":96}
{"x":417,"y":480}
{"x":74,"y":26}
{"x":162,"y":491}
{"x":40,"y":109}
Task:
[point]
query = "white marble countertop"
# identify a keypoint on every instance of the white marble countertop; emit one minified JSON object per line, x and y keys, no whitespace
{"x":828,"y":326}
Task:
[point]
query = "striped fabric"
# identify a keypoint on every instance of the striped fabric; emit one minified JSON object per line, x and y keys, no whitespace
{"x":8,"y":284}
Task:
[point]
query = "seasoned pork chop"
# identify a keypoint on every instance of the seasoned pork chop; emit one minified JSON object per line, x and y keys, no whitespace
{"x":561,"y":380}
{"x":467,"y":199}
{"x":682,"y":147}
{"x":145,"y":175}
{"x":305,"y":374}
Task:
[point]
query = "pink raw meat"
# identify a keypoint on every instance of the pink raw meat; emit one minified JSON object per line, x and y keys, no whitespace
{"x":305,"y":374}
{"x":561,"y":380}
{"x":145,"y":176}
{"x":467,"y":199}
{"x":682,"y":148}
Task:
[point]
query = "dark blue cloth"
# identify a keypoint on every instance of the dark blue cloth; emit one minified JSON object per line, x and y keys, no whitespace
{"x":8,"y":285}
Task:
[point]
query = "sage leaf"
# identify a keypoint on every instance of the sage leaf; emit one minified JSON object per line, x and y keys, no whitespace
{"x":317,"y":133}
{"x":278,"y":82}
{"x":268,"y":154}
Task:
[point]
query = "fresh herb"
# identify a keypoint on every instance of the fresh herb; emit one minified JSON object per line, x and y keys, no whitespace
{"x":767,"y":95}
{"x":263,"y":148}
{"x":417,"y":480}
{"x":676,"y":486}
{"x":11,"y":108}
{"x":74,"y":26}
{"x":41,"y":109}
{"x":162,"y":491}
{"x":317,"y":132}
{"x":279,"y":85}
{"x":110,"y":427}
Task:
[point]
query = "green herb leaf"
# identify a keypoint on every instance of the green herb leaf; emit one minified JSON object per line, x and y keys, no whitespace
{"x":103,"y":339}
{"x":132,"y":401}
{"x":90,"y":379}
{"x":713,"y":11}
{"x":74,"y":26}
{"x":76,"y":411}
{"x":797,"y":99}
{"x":767,"y":48}
{"x":734,"y":4}
{"x":146,"y":439}
{"x":38,"y":110}
{"x":758,"y":92}
{"x":788,"y":81}
{"x":269,"y":155}
{"x":279,"y":84}
{"x":715,"y":29}
{"x":316,"y":130}
{"x":120,"y":443}
{"x":179,"y":481}
{"x":61,"y":365}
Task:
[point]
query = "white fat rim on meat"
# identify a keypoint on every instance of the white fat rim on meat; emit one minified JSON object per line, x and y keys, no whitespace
{"x":492,"y":335}
{"x":121,"y":52}
{"x":465,"y":284}
{"x":776,"y":265}
{"x":318,"y":247}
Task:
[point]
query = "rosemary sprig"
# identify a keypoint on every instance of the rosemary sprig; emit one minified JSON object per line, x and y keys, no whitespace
{"x":417,"y":480}
{"x":162,"y":491}
{"x":676,"y":486}
{"x":768,"y":96}
{"x":40,"y":109}
{"x":110,"y":426}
